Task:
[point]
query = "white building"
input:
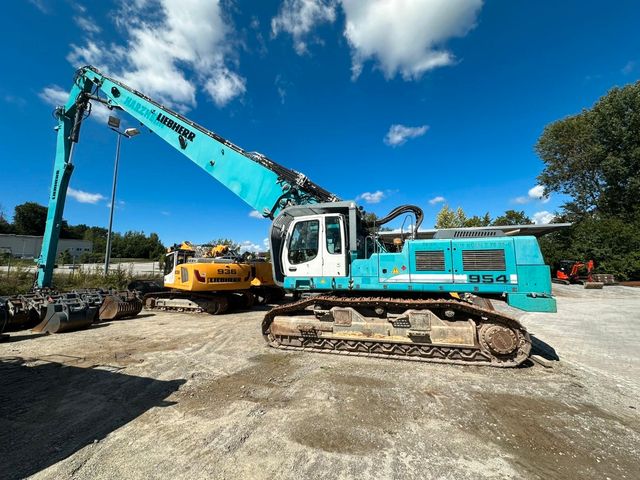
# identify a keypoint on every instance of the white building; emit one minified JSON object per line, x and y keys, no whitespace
{"x":29,"y":246}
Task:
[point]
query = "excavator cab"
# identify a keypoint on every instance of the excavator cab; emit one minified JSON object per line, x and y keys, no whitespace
{"x":177,"y":255}
{"x":315,"y":246}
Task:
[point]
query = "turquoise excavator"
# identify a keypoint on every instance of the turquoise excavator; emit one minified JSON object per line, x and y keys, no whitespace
{"x":410,"y":295}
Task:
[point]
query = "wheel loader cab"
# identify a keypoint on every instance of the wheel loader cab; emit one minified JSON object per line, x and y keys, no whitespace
{"x":315,"y":247}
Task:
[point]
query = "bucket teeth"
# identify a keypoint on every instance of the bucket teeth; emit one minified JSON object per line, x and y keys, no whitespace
{"x":119,"y":306}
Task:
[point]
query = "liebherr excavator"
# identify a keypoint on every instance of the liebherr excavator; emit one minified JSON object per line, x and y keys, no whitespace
{"x":211,"y":279}
{"x":423,"y":300}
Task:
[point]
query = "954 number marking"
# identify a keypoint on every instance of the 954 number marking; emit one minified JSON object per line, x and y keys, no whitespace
{"x":488,"y":279}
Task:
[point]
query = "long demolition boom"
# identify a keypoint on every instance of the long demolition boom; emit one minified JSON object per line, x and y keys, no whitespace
{"x":262,"y":183}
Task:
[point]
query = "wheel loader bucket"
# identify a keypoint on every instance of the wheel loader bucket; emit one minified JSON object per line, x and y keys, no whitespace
{"x":61,"y":317}
{"x":118,"y":307}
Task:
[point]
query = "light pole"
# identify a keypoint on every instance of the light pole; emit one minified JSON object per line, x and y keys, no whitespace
{"x":114,"y":124}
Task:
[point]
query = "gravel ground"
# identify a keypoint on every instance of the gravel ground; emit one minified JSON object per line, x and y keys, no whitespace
{"x":194,"y":396}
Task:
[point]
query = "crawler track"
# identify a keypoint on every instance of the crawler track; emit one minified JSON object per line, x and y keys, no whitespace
{"x":486,"y":348}
{"x":193,"y":302}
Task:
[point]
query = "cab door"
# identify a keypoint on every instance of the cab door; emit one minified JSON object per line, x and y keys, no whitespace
{"x":170,"y":261}
{"x":334,"y":263}
{"x":303,"y":256}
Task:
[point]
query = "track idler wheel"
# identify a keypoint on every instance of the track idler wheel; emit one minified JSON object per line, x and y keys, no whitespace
{"x":504,"y":342}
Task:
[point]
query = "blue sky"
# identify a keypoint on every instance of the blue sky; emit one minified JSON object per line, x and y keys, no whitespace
{"x":388,"y":101}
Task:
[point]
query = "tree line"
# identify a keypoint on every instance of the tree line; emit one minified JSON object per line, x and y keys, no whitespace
{"x":449,"y":218}
{"x":594,"y":158}
{"x":30,"y":218}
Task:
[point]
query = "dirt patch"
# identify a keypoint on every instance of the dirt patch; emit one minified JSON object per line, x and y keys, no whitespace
{"x":359,"y":414}
{"x":265,"y":383}
{"x":552,"y":439}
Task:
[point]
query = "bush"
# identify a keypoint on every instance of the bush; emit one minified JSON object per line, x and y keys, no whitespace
{"x":20,"y":280}
{"x":611,"y":242}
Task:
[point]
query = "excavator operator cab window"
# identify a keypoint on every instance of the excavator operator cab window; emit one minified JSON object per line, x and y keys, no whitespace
{"x":334,"y":235}
{"x":184,"y":256}
{"x":169,"y":262}
{"x":303,"y":246}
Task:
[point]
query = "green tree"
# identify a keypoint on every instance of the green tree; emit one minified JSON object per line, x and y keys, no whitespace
{"x":448,"y":218}
{"x":137,"y":245}
{"x":156,"y":247}
{"x":5,"y":226}
{"x":65,"y":257}
{"x":73,"y":231}
{"x":477,"y":221}
{"x":612,"y":243}
{"x":370,"y":218}
{"x":30,"y":218}
{"x":594,"y":156}
{"x":512,"y":217}
{"x":98,"y":236}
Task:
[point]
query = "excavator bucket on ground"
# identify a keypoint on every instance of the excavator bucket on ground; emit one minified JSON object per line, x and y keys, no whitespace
{"x":65,"y":316}
{"x":118,"y":306}
{"x":49,"y":311}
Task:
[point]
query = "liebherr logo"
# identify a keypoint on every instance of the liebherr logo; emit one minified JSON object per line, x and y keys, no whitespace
{"x":160,"y":119}
{"x":54,"y":190}
{"x":185,"y":132}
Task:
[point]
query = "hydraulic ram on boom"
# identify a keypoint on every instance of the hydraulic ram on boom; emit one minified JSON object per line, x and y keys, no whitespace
{"x":362,"y":293}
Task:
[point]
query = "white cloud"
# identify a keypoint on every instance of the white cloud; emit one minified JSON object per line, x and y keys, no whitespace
{"x":249,"y":246}
{"x":119,"y":204}
{"x":85,"y":197}
{"x":40,"y":5}
{"x":399,"y":134}
{"x":534,"y":193}
{"x":281,"y":87}
{"x":406,"y":38}
{"x":172,"y":47}
{"x":372,"y":197}
{"x":255,"y":214}
{"x":299,"y":17}
{"x":100,"y":113}
{"x":438,"y":199}
{"x":87,"y":24}
{"x":54,"y":95}
{"x":265,"y":242}
{"x":629,"y":67}
{"x":225,"y":86}
{"x":543,"y":217}
{"x":401,"y":37}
